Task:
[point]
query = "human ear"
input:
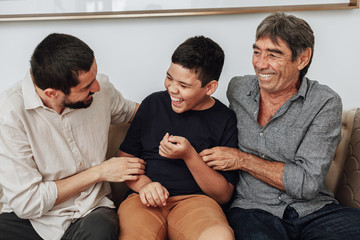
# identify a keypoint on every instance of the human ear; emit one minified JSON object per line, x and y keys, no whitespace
{"x":51,"y":93}
{"x":304,"y":58}
{"x":211,"y":87}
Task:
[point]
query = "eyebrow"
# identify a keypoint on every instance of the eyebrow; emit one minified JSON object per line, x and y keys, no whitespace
{"x":187,"y":84}
{"x":273,"y":50}
{"x":87,"y":86}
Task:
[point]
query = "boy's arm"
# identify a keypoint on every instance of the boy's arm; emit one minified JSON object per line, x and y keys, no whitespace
{"x":138,"y":184}
{"x":210,"y":181}
{"x":151,"y":193}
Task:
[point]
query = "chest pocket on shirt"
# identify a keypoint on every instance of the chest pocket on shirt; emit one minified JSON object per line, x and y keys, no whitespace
{"x":285,"y":141}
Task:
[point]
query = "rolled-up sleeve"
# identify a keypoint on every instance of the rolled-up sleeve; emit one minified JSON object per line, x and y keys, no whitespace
{"x":25,"y":191}
{"x":304,"y":177}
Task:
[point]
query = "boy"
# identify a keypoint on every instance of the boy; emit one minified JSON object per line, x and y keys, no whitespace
{"x":175,"y":199}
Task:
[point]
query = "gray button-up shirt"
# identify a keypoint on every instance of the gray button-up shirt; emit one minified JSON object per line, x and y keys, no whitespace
{"x":303,"y":134}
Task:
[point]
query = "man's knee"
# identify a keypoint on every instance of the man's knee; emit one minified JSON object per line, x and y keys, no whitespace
{"x":10,"y":225}
{"x":102,"y":223}
{"x":255,"y":224}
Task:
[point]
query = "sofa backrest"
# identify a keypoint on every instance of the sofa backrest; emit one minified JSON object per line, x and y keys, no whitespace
{"x":116,"y":136}
{"x":348,"y":190}
{"x":338,"y":163}
{"x":0,"y":197}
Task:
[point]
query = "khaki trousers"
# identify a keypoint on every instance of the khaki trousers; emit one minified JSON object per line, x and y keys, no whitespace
{"x":183,"y":217}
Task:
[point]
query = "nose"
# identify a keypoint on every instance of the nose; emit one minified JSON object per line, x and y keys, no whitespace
{"x":172,"y":88}
{"x":95,"y":86}
{"x":261,"y":62}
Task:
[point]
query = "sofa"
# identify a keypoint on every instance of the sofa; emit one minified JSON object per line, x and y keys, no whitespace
{"x":343,"y":178}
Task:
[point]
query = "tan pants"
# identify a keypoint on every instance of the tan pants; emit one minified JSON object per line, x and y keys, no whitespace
{"x":183,"y":217}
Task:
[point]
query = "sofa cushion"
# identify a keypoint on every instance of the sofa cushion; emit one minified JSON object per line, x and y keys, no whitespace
{"x":348,"y":192}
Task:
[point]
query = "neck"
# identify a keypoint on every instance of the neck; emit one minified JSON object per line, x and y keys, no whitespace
{"x":277,"y":98}
{"x":208,"y":103}
{"x":49,"y":101}
{"x":270,"y":102}
{"x":205,"y":103}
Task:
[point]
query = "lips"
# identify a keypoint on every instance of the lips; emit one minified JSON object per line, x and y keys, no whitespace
{"x":88,"y":98}
{"x":176,"y":101}
{"x":265,"y":76}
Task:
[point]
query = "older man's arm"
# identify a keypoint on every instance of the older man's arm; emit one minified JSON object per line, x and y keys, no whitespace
{"x":226,"y":159}
{"x":303,"y":176}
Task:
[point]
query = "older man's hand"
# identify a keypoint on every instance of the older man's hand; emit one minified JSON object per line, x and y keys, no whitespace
{"x":222,"y":158}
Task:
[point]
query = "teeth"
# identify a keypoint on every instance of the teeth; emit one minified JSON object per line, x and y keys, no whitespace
{"x":265,"y":75}
{"x":176,"y":99}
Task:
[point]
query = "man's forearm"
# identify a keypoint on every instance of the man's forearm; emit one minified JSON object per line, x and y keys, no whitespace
{"x":264,"y":170}
{"x":113,"y":170}
{"x":69,"y":187}
{"x":228,"y":159}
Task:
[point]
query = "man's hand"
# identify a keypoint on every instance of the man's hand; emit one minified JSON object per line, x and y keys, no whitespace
{"x":222,"y":158}
{"x":116,"y":169}
{"x":175,"y":147}
{"x":120,"y":169}
{"x":153,"y":194}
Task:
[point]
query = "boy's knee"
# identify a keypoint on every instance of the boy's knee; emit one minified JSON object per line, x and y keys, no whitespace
{"x":217,"y":232}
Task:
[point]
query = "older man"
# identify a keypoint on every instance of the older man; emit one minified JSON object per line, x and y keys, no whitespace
{"x":289,"y":127}
{"x":53,"y":139}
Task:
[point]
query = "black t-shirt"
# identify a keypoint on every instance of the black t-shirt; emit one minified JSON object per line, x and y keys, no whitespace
{"x":204,"y":129}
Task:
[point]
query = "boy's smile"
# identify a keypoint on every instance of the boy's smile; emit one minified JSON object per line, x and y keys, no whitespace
{"x":176,"y":101}
{"x":185,"y":90}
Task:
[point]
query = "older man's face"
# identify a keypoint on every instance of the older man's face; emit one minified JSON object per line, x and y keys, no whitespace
{"x":273,"y":66}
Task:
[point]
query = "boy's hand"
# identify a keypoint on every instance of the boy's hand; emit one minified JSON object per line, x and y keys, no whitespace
{"x":153,"y":194}
{"x":175,"y":147}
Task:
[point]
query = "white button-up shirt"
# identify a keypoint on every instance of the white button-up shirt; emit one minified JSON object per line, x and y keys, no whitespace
{"x":39,"y":146}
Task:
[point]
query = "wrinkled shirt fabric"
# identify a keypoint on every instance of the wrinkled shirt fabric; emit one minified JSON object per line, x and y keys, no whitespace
{"x":39,"y":146}
{"x":303,"y":134}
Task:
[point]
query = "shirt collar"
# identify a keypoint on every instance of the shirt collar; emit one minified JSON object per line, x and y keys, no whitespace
{"x":31,"y":98}
{"x":303,"y":88}
{"x":254,"y":90}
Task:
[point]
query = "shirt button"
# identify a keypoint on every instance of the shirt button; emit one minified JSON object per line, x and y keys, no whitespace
{"x":69,"y":139}
{"x":263,"y":156}
{"x":279,"y":197}
{"x":261,"y":134}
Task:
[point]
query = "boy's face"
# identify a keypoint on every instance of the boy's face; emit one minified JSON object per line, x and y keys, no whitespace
{"x":185,"y":90}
